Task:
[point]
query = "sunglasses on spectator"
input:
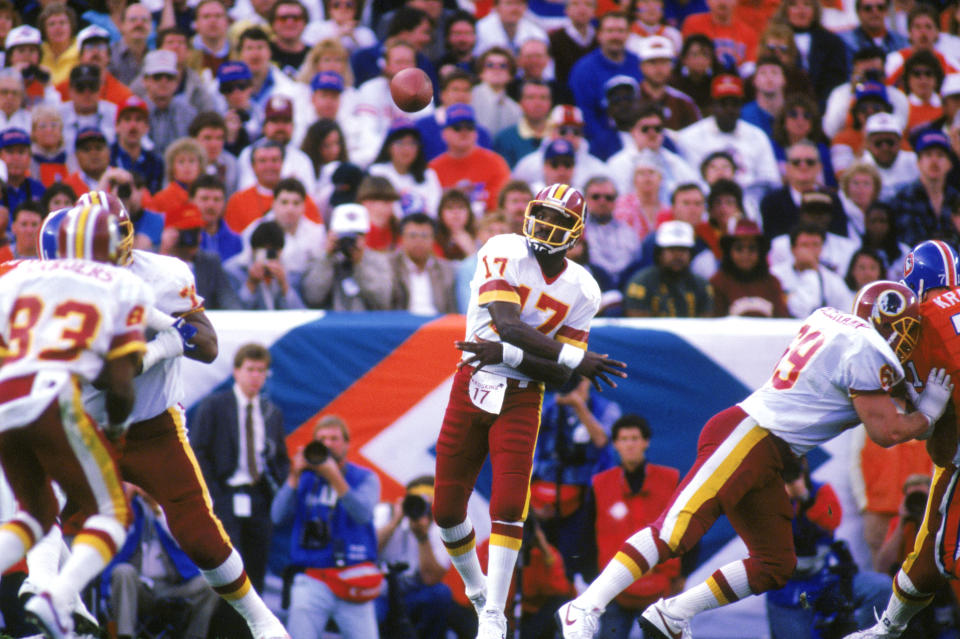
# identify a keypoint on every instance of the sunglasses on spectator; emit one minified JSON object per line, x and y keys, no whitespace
{"x":163,"y":76}
{"x":569,"y":130}
{"x":609,"y":197}
{"x":654,"y":128}
{"x":799,"y":113}
{"x":496,"y":65}
{"x":870,"y":8}
{"x":230,"y":87}
{"x":882,"y":143}
{"x":556,"y":163}
{"x":463,"y":126}
{"x":922,"y":73}
{"x":802,"y":162}
{"x":86,"y":87}
{"x":617,"y":99}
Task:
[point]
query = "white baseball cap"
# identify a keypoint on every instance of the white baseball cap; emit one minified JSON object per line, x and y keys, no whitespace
{"x":349,"y":219}
{"x":160,"y":61}
{"x":675,"y":233}
{"x":950,"y":86}
{"x":883,"y":123}
{"x":93,"y":32}
{"x":656,"y":48}
{"x":24,"y":34}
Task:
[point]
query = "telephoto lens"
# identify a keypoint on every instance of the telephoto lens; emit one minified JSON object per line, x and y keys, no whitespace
{"x":316,"y":453}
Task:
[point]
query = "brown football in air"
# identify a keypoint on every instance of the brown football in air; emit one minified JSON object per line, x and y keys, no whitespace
{"x":411,"y":89}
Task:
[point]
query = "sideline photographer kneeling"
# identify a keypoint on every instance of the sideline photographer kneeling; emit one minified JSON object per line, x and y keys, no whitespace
{"x":406,"y":533}
{"x":329,"y":502}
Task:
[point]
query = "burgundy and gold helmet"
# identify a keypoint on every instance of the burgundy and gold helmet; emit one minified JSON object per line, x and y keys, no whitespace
{"x":547,"y":233}
{"x":893,"y":310}
{"x":90,"y":232}
{"x":116,"y":207}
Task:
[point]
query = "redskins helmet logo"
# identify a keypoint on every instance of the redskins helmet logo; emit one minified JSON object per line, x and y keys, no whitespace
{"x":891,"y":303}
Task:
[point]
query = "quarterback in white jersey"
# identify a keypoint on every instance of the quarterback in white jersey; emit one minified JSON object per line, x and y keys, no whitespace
{"x":64,"y":322}
{"x":839,"y":371}
{"x":527,"y":322}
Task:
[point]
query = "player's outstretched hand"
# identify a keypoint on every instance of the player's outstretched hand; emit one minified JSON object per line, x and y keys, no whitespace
{"x":936,"y":393}
{"x":597,"y":368}
{"x":485,"y":353}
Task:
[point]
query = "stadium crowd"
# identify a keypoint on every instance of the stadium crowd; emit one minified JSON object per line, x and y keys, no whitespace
{"x":737,"y":157}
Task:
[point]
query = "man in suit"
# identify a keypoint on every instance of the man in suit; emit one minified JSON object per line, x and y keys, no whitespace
{"x":238,"y":437}
{"x":423,"y":282}
{"x":780,"y":208}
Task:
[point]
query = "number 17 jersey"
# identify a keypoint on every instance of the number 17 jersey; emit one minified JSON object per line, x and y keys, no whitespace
{"x":560,"y":307}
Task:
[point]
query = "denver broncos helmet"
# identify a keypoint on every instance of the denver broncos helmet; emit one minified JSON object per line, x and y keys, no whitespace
{"x":90,"y":232}
{"x":931,"y":264}
{"x":553,"y":221}
{"x":893,"y":310}
{"x":116,"y":207}
{"x":49,"y":232}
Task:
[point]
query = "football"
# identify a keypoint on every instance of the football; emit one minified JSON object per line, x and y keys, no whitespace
{"x":411,"y":89}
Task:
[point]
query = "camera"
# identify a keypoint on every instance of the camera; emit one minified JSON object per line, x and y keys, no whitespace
{"x":315,"y":453}
{"x":346,"y":244}
{"x":315,"y":535}
{"x":34,"y":72}
{"x":414,"y":506}
{"x":124,"y":189}
{"x":915,"y":504}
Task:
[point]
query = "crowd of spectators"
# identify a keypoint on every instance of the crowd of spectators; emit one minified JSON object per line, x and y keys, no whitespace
{"x":258,"y":141}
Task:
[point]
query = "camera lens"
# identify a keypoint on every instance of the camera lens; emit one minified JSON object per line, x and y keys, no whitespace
{"x":316,"y":453}
{"x":414,"y":506}
{"x":124,"y":190}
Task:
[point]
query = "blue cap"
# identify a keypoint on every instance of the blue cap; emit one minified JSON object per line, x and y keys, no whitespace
{"x":14,"y":137}
{"x":234,"y":71}
{"x":327,"y":80}
{"x":402,"y":124}
{"x":620,"y":81}
{"x":558,"y":148}
{"x":457,"y":113}
{"x":931,"y":139}
{"x":89,"y":133}
{"x":871,"y":89}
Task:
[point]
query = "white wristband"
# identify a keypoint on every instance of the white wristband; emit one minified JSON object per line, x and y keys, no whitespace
{"x":165,"y":345}
{"x":512,"y":356}
{"x":570,"y":356}
{"x":158,"y":320}
{"x":927,"y":433}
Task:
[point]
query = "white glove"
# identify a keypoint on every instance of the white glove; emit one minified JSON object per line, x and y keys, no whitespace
{"x":158,"y":320}
{"x":933,"y":400}
{"x":167,"y":343}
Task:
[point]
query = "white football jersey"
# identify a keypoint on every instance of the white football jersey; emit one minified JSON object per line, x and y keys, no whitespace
{"x":174,"y":288}
{"x":834,"y":357}
{"x":507,"y":271}
{"x":62,"y":318}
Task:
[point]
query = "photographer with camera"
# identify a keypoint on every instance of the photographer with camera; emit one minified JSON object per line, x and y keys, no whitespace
{"x":263,"y":282}
{"x":329,"y":503}
{"x":23,"y":53}
{"x":827,"y":596}
{"x":348,"y":276}
{"x":406,"y":533}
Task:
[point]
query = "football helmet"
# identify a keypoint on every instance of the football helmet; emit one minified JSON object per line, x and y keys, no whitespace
{"x":931,"y":264}
{"x":893,"y":310}
{"x":548,"y":232}
{"x":90,"y":232}
{"x":113,"y":203}
{"x":49,"y":233}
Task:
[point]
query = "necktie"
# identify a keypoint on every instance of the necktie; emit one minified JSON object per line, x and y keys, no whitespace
{"x":251,"y":446}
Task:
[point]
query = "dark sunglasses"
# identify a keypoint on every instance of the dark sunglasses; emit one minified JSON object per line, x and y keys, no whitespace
{"x":86,"y":87}
{"x":569,"y":130}
{"x":802,"y":162}
{"x":230,"y":87}
{"x":463,"y":126}
{"x":655,"y":128}
{"x":799,"y":113}
{"x":870,"y":8}
{"x":556,"y":163}
{"x":884,"y":143}
{"x":923,"y":73}
{"x":617,"y":99}
{"x":609,"y":197}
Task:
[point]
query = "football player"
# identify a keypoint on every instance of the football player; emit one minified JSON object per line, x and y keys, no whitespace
{"x":156,"y":454}
{"x":64,"y":323}
{"x":527,"y":322}
{"x":839,"y":371}
{"x":930,"y":270}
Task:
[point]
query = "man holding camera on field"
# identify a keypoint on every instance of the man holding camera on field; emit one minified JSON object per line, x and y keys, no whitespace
{"x":406,"y":535}
{"x":328,"y":503}
{"x":348,"y":277}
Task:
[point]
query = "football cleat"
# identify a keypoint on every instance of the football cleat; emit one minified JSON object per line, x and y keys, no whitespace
{"x":41,"y":612}
{"x":576,"y":622}
{"x":657,"y":622}
{"x":479,"y":601}
{"x":493,"y":625}
{"x":883,"y":629}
